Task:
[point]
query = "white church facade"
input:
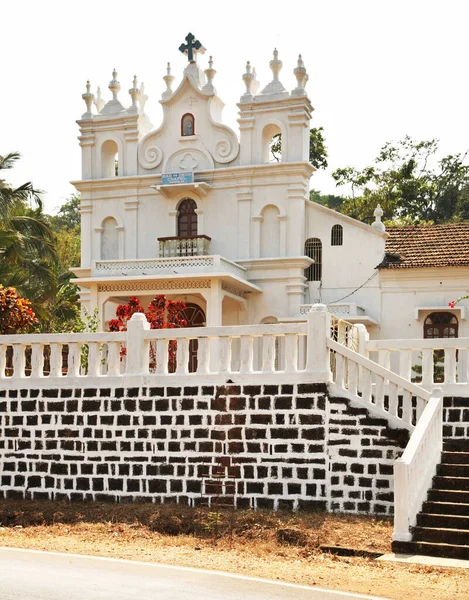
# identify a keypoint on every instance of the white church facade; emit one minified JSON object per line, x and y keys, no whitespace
{"x":201,"y":213}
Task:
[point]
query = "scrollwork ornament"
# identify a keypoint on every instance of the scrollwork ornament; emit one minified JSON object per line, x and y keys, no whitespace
{"x":151,"y":157}
{"x":224,"y":151}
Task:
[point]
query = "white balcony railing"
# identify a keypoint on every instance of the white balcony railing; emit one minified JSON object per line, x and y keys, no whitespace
{"x":167,"y":266}
{"x":349,"y":309}
{"x":198,"y":245}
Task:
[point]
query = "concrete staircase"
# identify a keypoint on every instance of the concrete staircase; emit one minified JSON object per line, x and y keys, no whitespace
{"x":442,"y":527}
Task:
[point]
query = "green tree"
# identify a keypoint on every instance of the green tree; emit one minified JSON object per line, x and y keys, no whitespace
{"x":317,"y":148}
{"x":410,"y":183}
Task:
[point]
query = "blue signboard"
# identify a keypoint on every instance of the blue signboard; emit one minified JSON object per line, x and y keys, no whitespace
{"x":171,"y":178}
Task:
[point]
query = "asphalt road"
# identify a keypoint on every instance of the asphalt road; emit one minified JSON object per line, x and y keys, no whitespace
{"x":31,"y":575}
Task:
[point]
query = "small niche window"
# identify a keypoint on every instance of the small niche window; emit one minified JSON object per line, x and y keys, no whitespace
{"x":440,"y":325}
{"x":313,"y":249}
{"x":187,"y":218}
{"x":187,"y":124}
{"x":337,"y":235}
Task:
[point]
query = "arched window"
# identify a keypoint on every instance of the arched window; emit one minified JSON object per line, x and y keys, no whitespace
{"x":440,"y":325}
{"x":272,"y":148}
{"x":109,"y":159}
{"x":109,"y":240}
{"x":270,"y":232}
{"x":337,"y":235}
{"x":187,"y":124}
{"x":187,"y":218}
{"x":313,"y":249}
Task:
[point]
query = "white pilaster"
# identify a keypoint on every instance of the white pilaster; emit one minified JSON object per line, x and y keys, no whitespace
{"x":244,"y":224}
{"x":131,"y":230}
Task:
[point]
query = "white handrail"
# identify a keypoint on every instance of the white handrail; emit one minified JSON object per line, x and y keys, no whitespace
{"x":414,"y":471}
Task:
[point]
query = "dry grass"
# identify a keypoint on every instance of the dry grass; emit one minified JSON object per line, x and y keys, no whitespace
{"x":281,"y":546}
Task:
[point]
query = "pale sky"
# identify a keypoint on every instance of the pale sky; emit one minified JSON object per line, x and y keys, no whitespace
{"x":377,"y":70}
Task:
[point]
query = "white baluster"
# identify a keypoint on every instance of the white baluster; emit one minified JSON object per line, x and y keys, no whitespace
{"x":384,"y":359}
{"x":393,"y":399}
{"x":268,"y":353}
{"x":37,"y":360}
{"x":379,"y":392}
{"x":247,"y":354}
{"x":3,"y":361}
{"x":93,"y":359}
{"x":203,"y":356}
{"x":182,"y":356}
{"x":339,"y":370}
{"x":56,"y":360}
{"x":113,"y":359}
{"x":406,"y":406}
{"x":291,"y":352}
{"x":224,"y":350}
{"x":420,"y":408}
{"x":450,"y":365}
{"x":366,"y":384}
{"x":19,"y":361}
{"x":162,"y":356}
{"x":405,"y":364}
{"x":74,"y":359}
{"x":427,"y":366}
{"x":352,"y":376}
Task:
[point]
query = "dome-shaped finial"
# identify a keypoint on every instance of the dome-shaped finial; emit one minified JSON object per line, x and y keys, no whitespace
{"x":301,"y":77}
{"x":134,"y":94}
{"x":248,"y":77}
{"x":88,"y":97}
{"x":275,"y":65}
{"x":209,"y":74}
{"x":114,"y":85}
{"x":377,"y":224}
{"x":168,"y":79}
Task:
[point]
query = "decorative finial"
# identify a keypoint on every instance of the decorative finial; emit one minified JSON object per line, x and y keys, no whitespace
{"x":88,"y":97}
{"x":134,"y":94}
{"x":191,"y":48}
{"x":168,"y":79}
{"x":99,"y":102}
{"x":210,"y":74}
{"x":249,"y":78}
{"x":114,"y":85}
{"x":142,"y":98}
{"x":301,"y":77}
{"x":275,"y":65}
{"x":377,"y":224}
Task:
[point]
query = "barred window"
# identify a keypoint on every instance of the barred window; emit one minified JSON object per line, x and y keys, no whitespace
{"x":313,"y":249}
{"x":337,"y":235}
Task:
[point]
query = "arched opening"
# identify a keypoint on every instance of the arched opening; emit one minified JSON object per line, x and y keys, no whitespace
{"x":109,"y":159}
{"x":313,"y":249}
{"x":195,"y":317}
{"x":270,"y":232}
{"x":337,"y":235}
{"x":109,"y":240}
{"x":272,"y":144}
{"x":187,"y":124}
{"x":440,"y":325}
{"x":187,"y":218}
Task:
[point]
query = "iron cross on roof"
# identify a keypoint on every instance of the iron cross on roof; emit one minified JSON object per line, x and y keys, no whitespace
{"x":191,"y":47}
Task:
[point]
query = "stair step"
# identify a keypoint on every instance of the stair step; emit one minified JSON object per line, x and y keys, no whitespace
{"x":427,"y":549}
{"x":459,"y":458}
{"x":445,"y":508}
{"x":451,"y":483}
{"x":441,"y":536}
{"x":435,"y":521}
{"x":461,"y":445}
{"x":453,"y":496}
{"x":452,"y":470}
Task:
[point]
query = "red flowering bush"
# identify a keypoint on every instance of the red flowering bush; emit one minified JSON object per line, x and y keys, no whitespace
{"x":161,"y":314}
{"x":16,"y":315}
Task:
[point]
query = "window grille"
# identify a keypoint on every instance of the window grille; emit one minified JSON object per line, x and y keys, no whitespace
{"x":337,"y":235}
{"x":313,"y":249}
{"x":440,"y":325}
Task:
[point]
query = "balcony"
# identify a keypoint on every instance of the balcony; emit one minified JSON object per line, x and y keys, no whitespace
{"x":174,"y":247}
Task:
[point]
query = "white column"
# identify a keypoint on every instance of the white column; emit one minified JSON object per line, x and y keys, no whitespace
{"x":214,"y":319}
{"x":121,"y":241}
{"x":297,"y":194}
{"x":131,"y":230}
{"x":86,"y":211}
{"x":283,"y":234}
{"x":244,"y":224}
{"x":200,"y":221}
{"x":137,"y":358}
{"x":256,"y":236}
{"x":318,"y":331}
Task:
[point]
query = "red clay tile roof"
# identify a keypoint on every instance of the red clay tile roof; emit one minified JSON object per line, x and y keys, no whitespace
{"x":415,"y":246}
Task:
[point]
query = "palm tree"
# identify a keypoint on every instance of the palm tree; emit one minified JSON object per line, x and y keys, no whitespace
{"x":27,"y":249}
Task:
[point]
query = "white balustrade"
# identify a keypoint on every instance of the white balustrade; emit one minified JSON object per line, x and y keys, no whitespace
{"x":414,"y":471}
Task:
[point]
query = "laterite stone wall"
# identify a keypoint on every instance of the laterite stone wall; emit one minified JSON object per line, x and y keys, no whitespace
{"x":260,"y":446}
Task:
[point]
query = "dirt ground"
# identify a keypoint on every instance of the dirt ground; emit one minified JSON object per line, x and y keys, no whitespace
{"x":271,"y":545}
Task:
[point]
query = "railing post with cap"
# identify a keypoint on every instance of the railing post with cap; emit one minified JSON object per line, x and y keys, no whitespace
{"x":137,"y":356}
{"x":318,"y":355}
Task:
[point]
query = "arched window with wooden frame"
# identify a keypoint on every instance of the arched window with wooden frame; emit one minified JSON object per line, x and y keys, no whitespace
{"x":337,"y":235}
{"x":187,"y":218}
{"x":187,"y":124}
{"x":313,"y":249}
{"x":440,"y":325}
